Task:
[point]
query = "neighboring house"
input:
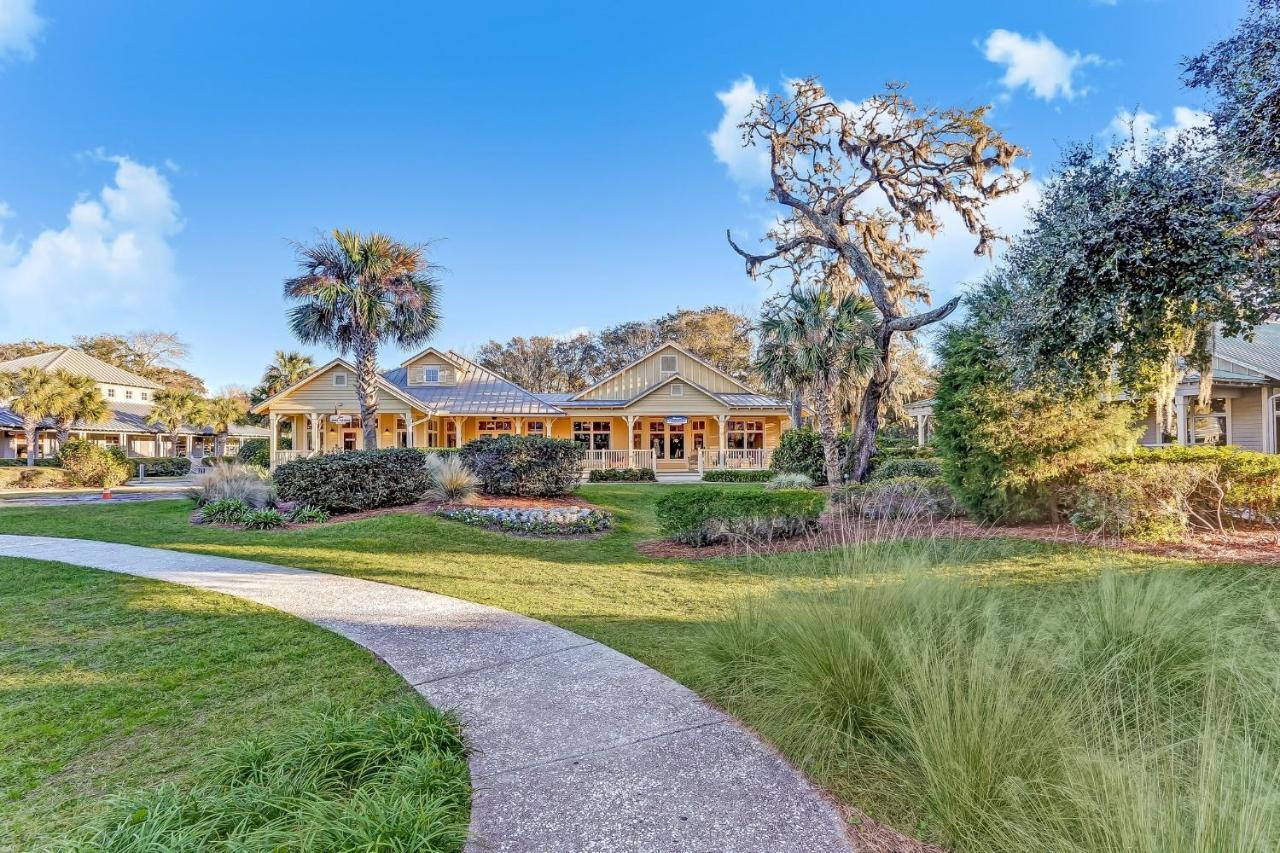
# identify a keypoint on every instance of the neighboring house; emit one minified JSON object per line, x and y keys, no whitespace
{"x":669,"y":410}
{"x":1244,"y":409}
{"x":129,"y":397}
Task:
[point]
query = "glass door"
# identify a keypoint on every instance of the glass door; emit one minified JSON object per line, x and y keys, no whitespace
{"x":675,"y":441}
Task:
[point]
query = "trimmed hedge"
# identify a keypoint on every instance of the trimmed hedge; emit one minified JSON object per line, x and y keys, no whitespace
{"x":87,"y":464}
{"x":524,"y":465}
{"x":701,"y":516}
{"x":255,"y":451}
{"x":49,"y":462}
{"x":732,"y":475}
{"x":355,"y":481}
{"x":160,"y":466}
{"x":622,"y":475}
{"x":906,"y":466}
{"x":898,"y":497}
{"x":39,"y":477}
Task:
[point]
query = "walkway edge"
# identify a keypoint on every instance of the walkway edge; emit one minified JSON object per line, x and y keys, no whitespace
{"x":575,"y":746}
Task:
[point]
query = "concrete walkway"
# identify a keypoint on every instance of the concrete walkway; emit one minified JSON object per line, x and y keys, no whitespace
{"x":577,"y":747}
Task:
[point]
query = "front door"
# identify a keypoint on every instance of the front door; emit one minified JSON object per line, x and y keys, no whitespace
{"x":675,"y":442}
{"x":350,"y":439}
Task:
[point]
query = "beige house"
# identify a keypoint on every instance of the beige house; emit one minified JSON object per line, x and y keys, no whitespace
{"x":129,"y":398}
{"x":669,"y":410}
{"x":1244,"y":409}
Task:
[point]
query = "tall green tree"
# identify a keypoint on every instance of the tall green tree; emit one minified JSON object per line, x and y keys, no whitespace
{"x":171,"y":408}
{"x":285,"y":370}
{"x":34,"y":395}
{"x":356,"y":292}
{"x":811,"y":340}
{"x":219,"y":414}
{"x":856,"y":183}
{"x":542,"y":363}
{"x":79,"y":399}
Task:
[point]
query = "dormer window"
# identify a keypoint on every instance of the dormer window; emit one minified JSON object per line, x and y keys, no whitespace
{"x":128,"y":394}
{"x":111,"y":393}
{"x":677,"y":390}
{"x":339,"y":379}
{"x":142,"y":395}
{"x":430,"y":374}
{"x":668,"y":364}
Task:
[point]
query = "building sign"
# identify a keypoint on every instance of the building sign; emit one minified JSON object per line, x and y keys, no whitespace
{"x":340,"y":419}
{"x":677,"y":420}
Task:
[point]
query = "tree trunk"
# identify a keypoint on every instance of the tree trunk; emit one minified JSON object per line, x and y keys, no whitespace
{"x":863,"y":445}
{"x":173,"y":443}
{"x":827,"y":432}
{"x":32,"y":434}
{"x":797,"y":410}
{"x":367,"y":389}
{"x":220,"y":445}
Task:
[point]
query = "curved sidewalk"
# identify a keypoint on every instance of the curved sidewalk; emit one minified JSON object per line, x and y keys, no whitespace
{"x":576,"y":747}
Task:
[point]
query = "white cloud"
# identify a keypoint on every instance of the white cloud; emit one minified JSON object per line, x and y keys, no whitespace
{"x":1039,"y":64}
{"x":111,"y":262}
{"x":1145,"y":128}
{"x":570,"y":334}
{"x":748,"y":166}
{"x":20,"y":28}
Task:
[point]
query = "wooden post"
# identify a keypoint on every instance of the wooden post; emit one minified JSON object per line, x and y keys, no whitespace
{"x":631,"y":440}
{"x":275,"y":437}
{"x":457,"y":425}
{"x":922,"y":430}
{"x":1184,"y":426}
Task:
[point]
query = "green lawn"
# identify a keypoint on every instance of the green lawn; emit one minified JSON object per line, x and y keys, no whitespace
{"x":662,"y":611}
{"x":112,"y":683}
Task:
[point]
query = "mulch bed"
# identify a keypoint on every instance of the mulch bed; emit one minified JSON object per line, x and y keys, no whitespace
{"x":1243,"y":545}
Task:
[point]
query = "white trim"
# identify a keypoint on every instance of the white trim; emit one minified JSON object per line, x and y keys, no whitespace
{"x":676,"y":389}
{"x":657,"y":349}
{"x":383,"y":384}
{"x":338,"y":374}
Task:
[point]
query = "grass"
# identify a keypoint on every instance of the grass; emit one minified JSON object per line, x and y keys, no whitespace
{"x":930,"y":650}
{"x":115,"y":684}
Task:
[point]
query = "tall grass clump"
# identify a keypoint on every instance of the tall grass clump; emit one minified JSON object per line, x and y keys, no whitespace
{"x":1121,"y":713}
{"x":393,"y":780}
{"x":232,"y":481}
{"x":450,"y":479}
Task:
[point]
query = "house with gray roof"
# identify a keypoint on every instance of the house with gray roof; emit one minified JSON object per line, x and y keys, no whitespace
{"x":668,"y":410}
{"x":129,"y":399}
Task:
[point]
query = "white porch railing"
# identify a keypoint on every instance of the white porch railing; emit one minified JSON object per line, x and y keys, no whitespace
{"x":748,"y":460}
{"x":599,"y":460}
{"x":280,"y":457}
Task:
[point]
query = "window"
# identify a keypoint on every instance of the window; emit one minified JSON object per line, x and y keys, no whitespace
{"x":430,"y":374}
{"x":339,"y":379}
{"x":668,"y":364}
{"x":493,"y":427}
{"x":402,"y":433}
{"x":143,"y":395}
{"x":535,"y":428}
{"x":128,"y":394}
{"x":450,"y":433}
{"x":1209,"y":424}
{"x":111,"y":393}
{"x":594,"y":434}
{"x":677,"y":390}
{"x":746,"y":435}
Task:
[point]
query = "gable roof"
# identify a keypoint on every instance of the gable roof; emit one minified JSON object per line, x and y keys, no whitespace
{"x":1262,"y":353}
{"x":450,"y":357}
{"x":659,"y":348}
{"x":477,"y":391}
{"x":81,"y":364}
{"x":383,"y":384}
{"x":131,"y":418}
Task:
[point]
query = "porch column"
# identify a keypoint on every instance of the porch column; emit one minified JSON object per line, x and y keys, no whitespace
{"x":123,"y":438}
{"x":922,"y":430}
{"x":723,"y":422}
{"x":457,"y":426}
{"x":518,"y":425}
{"x":1182,"y":425}
{"x":631,"y":441}
{"x":275,"y":437}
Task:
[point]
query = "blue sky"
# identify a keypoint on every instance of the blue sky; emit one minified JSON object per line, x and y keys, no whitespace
{"x":156,"y":157}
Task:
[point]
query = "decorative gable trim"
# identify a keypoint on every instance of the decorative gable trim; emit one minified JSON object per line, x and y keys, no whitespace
{"x":668,"y":344}
{"x":383,"y":385}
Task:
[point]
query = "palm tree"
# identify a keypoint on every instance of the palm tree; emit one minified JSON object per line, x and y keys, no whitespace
{"x":33,"y":394}
{"x":812,"y":341}
{"x":288,"y":369}
{"x":355,"y":292}
{"x":171,"y":408}
{"x":219,"y":414}
{"x":78,"y":400}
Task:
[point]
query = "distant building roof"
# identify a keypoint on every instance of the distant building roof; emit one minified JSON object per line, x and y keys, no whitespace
{"x":81,"y":364}
{"x":132,"y":418}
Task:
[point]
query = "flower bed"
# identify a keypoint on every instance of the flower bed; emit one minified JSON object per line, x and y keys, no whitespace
{"x":555,"y":522}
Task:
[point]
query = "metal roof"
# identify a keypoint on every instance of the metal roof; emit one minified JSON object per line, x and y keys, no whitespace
{"x":750,"y":401}
{"x":81,"y":364}
{"x":1261,"y":353}
{"x":477,"y":391}
{"x":132,"y":418}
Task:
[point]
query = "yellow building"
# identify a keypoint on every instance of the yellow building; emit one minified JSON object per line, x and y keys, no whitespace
{"x":669,"y":410}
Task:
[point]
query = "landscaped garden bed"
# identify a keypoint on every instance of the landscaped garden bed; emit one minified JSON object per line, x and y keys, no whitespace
{"x":540,"y":521}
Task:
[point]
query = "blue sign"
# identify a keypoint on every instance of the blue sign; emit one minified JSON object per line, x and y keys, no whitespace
{"x":677,"y":420}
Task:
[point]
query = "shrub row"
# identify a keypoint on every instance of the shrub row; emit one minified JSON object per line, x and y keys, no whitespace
{"x":42,"y":477}
{"x":88,"y":464}
{"x":553,"y":522}
{"x":703,"y":516}
{"x":51,"y":462}
{"x":733,"y":475}
{"x":906,"y":466}
{"x":160,"y":466}
{"x":354,"y":481}
{"x":622,"y":475}
{"x":524,"y":465}
{"x":255,"y":451}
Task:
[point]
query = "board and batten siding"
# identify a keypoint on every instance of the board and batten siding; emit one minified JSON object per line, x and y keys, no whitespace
{"x":1248,"y":430}
{"x":648,"y":372}
{"x":321,"y":395}
{"x":414,"y":371}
